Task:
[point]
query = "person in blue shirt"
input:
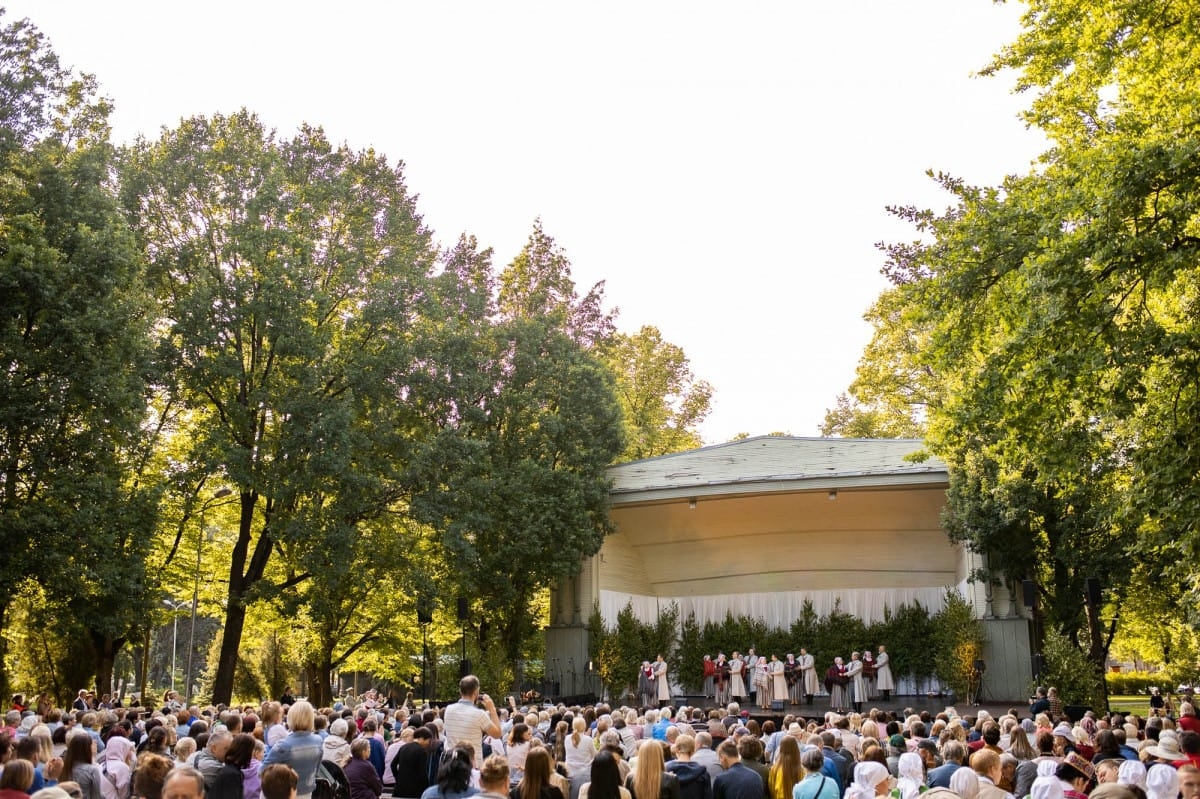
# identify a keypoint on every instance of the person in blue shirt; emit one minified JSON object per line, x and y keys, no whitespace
{"x":300,"y":749}
{"x":659,"y":730}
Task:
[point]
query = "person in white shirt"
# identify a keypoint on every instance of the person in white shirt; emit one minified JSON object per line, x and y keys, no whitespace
{"x":463,"y":721}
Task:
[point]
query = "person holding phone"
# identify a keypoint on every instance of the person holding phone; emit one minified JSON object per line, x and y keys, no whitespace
{"x":466,"y":723}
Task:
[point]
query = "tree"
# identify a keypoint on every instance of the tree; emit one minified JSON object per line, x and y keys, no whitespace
{"x":74,"y":324}
{"x":1055,"y":312}
{"x":661,"y":401}
{"x":515,"y":482}
{"x":290,"y":274}
{"x":892,"y":388}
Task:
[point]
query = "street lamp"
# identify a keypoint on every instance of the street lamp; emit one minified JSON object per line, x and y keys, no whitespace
{"x":187,"y":687}
{"x":174,"y":606}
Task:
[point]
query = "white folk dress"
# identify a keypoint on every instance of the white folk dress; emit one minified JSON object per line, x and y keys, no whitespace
{"x":737,"y":685}
{"x":779,"y":686}
{"x":808,"y":675}
{"x":661,"y":681}
{"x":883,"y":673}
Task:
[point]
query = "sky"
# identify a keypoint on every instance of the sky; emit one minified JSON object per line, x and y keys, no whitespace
{"x":724,"y":167}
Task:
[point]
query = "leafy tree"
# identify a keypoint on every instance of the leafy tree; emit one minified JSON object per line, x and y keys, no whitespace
{"x":957,"y":642}
{"x":289,"y":274}
{"x":661,"y":401}
{"x":74,"y":323}
{"x":892,"y":388}
{"x":1069,"y":670}
{"x":1054,"y":314}
{"x":515,"y":482}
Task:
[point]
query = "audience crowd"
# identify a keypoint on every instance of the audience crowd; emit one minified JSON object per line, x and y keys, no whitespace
{"x":363,"y":748}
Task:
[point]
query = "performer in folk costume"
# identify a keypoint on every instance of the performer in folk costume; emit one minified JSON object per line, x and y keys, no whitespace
{"x":779,"y":686}
{"x":661,"y":682}
{"x":869,"y":673}
{"x":808,"y":675}
{"x":710,"y":673}
{"x":762,"y":682}
{"x":835,"y":683}
{"x":721,"y":679}
{"x":751,"y":673}
{"x":646,"y":684}
{"x":858,"y":686}
{"x":737,"y":683}
{"x":883,"y":674}
{"x":791,"y":675}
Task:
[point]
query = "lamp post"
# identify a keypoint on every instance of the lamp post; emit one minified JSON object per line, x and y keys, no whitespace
{"x":174,"y":606}
{"x":187,"y":687}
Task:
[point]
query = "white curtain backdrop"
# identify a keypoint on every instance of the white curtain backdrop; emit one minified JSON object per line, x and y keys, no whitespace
{"x":777,"y":608}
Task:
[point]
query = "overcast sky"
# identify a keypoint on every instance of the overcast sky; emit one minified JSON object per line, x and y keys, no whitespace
{"x":723,"y":166}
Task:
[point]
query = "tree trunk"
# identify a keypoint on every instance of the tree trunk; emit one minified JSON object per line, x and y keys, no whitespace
{"x":231,"y":641}
{"x":240,"y":582}
{"x":5,"y":688}
{"x":143,"y":671}
{"x":106,"y":655}
{"x":320,"y":677}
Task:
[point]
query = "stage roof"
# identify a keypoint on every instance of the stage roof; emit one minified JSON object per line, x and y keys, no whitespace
{"x":767,"y":464}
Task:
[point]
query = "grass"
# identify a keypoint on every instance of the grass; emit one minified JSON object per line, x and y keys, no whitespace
{"x":1129,"y":704}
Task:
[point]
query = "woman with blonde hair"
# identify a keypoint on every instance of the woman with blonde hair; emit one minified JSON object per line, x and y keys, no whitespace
{"x":786,"y":771}
{"x":651,"y":780}
{"x":580,"y":750}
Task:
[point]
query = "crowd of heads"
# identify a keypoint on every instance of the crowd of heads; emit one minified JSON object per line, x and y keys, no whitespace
{"x":904,"y":754}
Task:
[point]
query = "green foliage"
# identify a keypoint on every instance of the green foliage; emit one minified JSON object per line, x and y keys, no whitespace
{"x":74,"y":337}
{"x":1135,"y":683}
{"x":956,"y":643}
{"x":290,"y":275}
{"x":1049,"y":322}
{"x":622,"y":648}
{"x":661,"y":401}
{"x":1069,"y":670}
{"x":514,"y":481}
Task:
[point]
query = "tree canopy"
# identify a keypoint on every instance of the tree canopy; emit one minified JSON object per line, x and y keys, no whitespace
{"x":1044,"y":327}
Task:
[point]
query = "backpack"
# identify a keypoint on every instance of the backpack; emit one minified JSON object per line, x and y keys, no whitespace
{"x":331,"y":782}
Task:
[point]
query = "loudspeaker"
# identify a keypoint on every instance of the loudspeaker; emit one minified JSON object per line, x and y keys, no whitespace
{"x":424,"y":611}
{"x":464,"y":610}
{"x":980,"y":666}
{"x":1039,"y":665}
{"x":1029,"y":593}
{"x":776,"y":704}
{"x":464,"y":668}
{"x":1093,"y":592}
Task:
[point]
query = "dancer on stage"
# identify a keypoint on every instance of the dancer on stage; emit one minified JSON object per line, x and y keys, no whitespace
{"x":808,"y":675}
{"x":791,"y":675}
{"x":737,"y":682}
{"x":661,"y":683}
{"x":721,"y":679}
{"x":779,"y":686}
{"x":858,"y":686}
{"x":710,"y":673}
{"x":869,"y":673}
{"x":883,"y":674}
